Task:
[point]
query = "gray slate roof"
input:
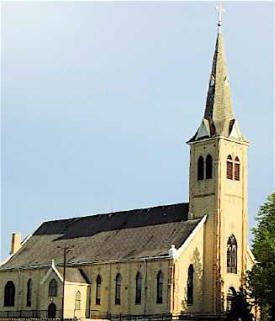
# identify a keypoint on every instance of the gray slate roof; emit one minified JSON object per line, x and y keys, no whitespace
{"x":115,"y":236}
{"x":74,"y":275}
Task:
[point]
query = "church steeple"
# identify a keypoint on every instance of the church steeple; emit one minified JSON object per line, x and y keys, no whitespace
{"x":218,"y":118}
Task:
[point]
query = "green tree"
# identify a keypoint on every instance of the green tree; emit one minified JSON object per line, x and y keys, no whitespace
{"x":262,"y":277}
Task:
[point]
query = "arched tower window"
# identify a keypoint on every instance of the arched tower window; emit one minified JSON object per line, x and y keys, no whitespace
{"x":138,"y":287}
{"x":53,"y":288}
{"x":200,"y":168}
{"x":190,"y":285}
{"x":229,"y":167}
{"x":77,"y":304}
{"x":160,"y":287}
{"x":9,"y":294}
{"x":29,"y":293}
{"x":237,"y":169}
{"x":118,"y":289}
{"x":98,"y":289}
{"x":208,"y":173}
{"x":232,"y":254}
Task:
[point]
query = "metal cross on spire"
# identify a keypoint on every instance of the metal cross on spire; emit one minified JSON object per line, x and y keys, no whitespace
{"x":220,"y":10}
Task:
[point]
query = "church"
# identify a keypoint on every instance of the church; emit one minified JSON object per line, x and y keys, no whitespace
{"x":177,"y":259}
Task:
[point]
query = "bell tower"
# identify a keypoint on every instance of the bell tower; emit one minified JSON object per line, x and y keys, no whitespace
{"x":218,"y":188}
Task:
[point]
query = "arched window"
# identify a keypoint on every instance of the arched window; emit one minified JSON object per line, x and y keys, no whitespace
{"x":230,"y":297}
{"x":229,"y":167}
{"x":200,"y":168}
{"x":9,"y":294}
{"x":160,"y":287}
{"x":232,"y":254}
{"x":208,"y":173}
{"x":138,"y":288}
{"x":237,"y":169}
{"x":98,"y":289}
{"x":53,"y":288}
{"x":118,"y":289}
{"x":190,"y":285}
{"x":77,"y":304}
{"x":51,"y":311}
{"x":29,"y":293}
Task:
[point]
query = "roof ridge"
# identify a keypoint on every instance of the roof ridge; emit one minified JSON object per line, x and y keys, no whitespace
{"x":115,"y":212}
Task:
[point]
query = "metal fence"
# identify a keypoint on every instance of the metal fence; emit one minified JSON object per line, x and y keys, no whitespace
{"x":25,"y":315}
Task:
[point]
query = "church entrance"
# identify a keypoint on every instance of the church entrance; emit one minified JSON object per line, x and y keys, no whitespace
{"x":52,"y":311}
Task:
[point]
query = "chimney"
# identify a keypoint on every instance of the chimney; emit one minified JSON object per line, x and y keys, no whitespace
{"x":15,"y":242}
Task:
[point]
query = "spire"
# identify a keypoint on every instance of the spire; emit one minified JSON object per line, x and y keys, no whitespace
{"x":218,"y":116}
{"x":218,"y":110}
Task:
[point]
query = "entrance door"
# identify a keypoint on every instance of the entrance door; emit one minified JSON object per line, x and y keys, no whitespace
{"x":52,"y":311}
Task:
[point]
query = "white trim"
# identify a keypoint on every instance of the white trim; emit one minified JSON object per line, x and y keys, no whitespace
{"x":175,"y":253}
{"x":51,"y":269}
{"x":217,"y":138}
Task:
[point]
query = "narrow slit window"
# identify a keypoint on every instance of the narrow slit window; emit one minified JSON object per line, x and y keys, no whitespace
{"x":209,"y":165}
{"x":160,"y":287}
{"x":98,"y":290}
{"x":138,"y":288}
{"x":237,"y":169}
{"x":200,"y":168}
{"x":229,"y":167}
{"x":190,"y":285}
{"x":118,"y":289}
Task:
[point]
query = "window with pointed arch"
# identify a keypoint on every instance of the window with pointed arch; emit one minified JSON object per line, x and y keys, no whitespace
{"x":209,"y":165}
{"x":229,"y":167}
{"x":237,"y":169}
{"x":118,"y":289}
{"x":9,"y":294}
{"x":53,"y":287}
{"x":190,"y":284}
{"x":29,"y":293}
{"x":200,"y":168}
{"x":138,"y":288}
{"x":77,"y":304}
{"x":232,"y":254}
{"x":98,"y":290}
{"x":230,"y":297}
{"x":160,"y":287}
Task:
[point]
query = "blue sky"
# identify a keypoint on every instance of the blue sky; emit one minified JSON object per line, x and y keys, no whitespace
{"x":98,"y":100}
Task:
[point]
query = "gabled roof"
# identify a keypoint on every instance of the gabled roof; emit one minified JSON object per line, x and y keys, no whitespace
{"x":127,"y":235}
{"x":74,"y":275}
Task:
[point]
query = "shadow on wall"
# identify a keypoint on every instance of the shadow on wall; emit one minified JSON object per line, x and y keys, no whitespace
{"x":193,"y":298}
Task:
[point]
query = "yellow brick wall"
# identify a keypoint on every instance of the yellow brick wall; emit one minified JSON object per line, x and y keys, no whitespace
{"x":225,"y":203}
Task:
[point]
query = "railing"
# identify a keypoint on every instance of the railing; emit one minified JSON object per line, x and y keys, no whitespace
{"x":43,"y":315}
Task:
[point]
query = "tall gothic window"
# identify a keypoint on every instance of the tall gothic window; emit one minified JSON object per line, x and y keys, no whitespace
{"x":237,"y":169}
{"x":200,"y":168}
{"x":232,"y":254}
{"x":77,"y":304}
{"x":190,"y":285}
{"x":138,"y":287}
{"x":208,"y":173}
{"x":98,"y":289}
{"x":118,"y":289}
{"x":9,"y":294}
{"x":160,"y":287}
{"x":229,"y":167}
{"x":29,"y":293}
{"x":53,"y":288}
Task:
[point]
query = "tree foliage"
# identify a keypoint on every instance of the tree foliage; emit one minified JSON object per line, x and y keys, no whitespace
{"x":240,"y":307}
{"x":262,"y":276}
